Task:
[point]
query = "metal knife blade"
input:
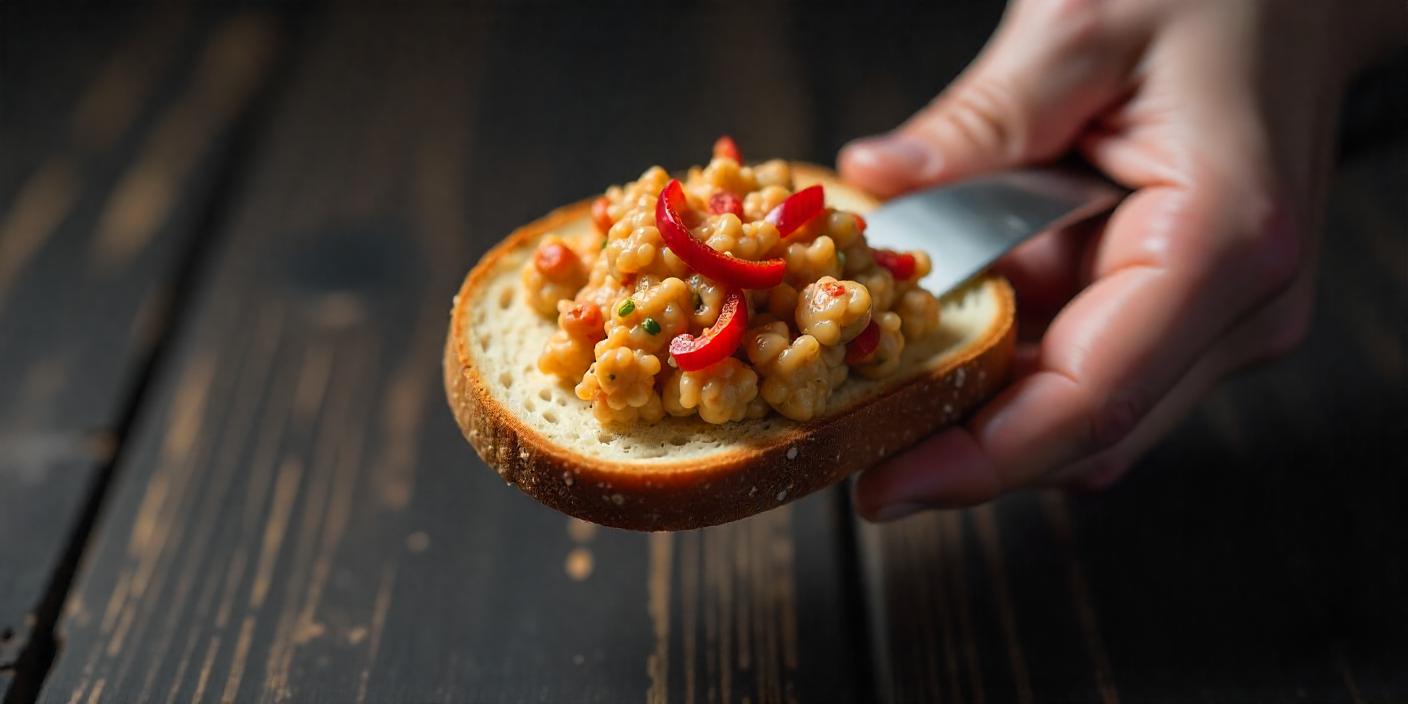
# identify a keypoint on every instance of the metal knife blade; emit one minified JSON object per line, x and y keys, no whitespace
{"x":966,"y":226}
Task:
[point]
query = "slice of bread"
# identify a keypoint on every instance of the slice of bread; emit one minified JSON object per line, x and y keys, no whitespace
{"x":685,"y":473}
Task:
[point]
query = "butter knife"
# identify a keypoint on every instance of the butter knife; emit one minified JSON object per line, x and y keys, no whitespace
{"x":967,"y":226}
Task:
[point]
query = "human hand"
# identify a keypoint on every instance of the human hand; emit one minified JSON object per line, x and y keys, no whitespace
{"x":1221,"y":117}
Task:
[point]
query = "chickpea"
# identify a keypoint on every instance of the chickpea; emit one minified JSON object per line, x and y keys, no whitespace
{"x":809,"y":261}
{"x":721,"y":392}
{"x":797,"y":383}
{"x":886,"y":357}
{"x":919,"y":313}
{"x":566,"y":356}
{"x":832,"y":311}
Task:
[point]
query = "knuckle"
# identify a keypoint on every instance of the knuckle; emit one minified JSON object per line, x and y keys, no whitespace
{"x":1273,"y":251}
{"x":985,"y":111}
{"x":1252,"y":239}
{"x":1115,"y":419}
{"x":1101,"y":471}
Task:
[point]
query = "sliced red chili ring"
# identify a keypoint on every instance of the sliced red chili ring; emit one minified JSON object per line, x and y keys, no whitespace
{"x":900,"y":264}
{"x":718,"y":341}
{"x":724,"y":202}
{"x":724,"y":147}
{"x":860,"y":222}
{"x":798,"y":210}
{"x":864,"y":345}
{"x":727,"y":270}
{"x":600,"y":216}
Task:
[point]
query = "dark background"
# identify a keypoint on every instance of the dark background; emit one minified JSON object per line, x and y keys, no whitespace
{"x":229,"y":235}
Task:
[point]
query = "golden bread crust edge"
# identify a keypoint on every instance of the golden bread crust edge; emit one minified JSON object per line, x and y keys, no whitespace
{"x":731,"y":484}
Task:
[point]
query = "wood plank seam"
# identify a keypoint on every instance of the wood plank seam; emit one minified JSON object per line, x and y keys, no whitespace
{"x":37,"y":656}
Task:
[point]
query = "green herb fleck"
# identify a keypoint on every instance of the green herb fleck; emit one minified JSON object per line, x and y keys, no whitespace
{"x":604,"y":240}
{"x":626,"y":308}
{"x":841,"y":259}
{"x":650,"y":326}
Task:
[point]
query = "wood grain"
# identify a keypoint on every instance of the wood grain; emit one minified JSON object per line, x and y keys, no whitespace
{"x":295,"y":513}
{"x":76,"y":336}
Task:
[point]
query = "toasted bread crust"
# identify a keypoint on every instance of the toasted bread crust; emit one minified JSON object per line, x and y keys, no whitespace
{"x":731,"y":484}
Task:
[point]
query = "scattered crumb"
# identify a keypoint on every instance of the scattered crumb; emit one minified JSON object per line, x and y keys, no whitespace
{"x":781,"y":495}
{"x":308,"y":632}
{"x":356,"y":634}
{"x":792,"y":452}
{"x":579,"y":564}
{"x":580,"y":530}
{"x":618,"y":499}
{"x":418,"y":541}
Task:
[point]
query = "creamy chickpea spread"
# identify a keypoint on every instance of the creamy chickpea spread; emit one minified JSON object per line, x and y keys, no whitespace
{"x":724,"y":294}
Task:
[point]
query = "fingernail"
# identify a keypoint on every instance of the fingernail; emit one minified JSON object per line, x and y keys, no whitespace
{"x":895,"y":152}
{"x":894,"y":512}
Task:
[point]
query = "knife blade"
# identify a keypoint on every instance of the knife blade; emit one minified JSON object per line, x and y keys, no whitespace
{"x":967,"y":226}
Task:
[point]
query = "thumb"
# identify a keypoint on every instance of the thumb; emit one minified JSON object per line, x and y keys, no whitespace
{"x":1043,"y":75}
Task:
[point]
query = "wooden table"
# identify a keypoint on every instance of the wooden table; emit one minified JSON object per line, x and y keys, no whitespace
{"x":228,"y":240}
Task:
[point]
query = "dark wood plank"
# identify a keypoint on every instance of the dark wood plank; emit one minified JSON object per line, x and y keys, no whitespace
{"x":1258,"y":555}
{"x":297,"y":516}
{"x":106,"y":202}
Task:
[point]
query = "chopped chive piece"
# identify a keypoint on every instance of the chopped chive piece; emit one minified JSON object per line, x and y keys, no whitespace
{"x":650,"y":326}
{"x":626,"y":308}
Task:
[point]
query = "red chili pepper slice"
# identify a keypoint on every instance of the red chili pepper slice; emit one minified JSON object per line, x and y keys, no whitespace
{"x":730,"y":271}
{"x":724,"y":202}
{"x":724,"y":147}
{"x":717,"y":342}
{"x":860,"y":348}
{"x":798,"y":209}
{"x":600,"y":216}
{"x":900,"y":264}
{"x":860,"y":222}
